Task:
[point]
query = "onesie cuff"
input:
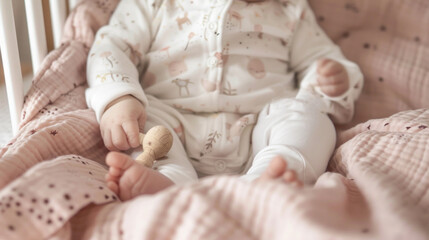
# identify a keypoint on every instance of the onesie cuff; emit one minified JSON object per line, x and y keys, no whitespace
{"x":343,"y":99}
{"x":100,"y":96}
{"x":340,"y":107}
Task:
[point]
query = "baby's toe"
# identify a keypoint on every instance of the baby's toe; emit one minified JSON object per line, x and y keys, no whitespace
{"x":290,"y":177}
{"x":112,"y":185}
{"x":113,"y":178}
{"x":275,"y":169}
{"x":119,"y":160}
{"x":115,"y":172}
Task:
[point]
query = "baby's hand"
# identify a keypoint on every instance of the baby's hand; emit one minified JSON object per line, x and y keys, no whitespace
{"x":332,"y":77}
{"x":121,"y":122}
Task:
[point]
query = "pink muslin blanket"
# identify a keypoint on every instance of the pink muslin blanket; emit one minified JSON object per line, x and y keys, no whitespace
{"x":52,"y":173}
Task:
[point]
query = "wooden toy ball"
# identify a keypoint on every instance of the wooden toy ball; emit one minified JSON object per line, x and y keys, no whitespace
{"x":156,"y":144}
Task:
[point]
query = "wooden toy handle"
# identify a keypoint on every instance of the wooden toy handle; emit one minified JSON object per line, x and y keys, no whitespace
{"x":156,"y":144}
{"x":146,"y":158}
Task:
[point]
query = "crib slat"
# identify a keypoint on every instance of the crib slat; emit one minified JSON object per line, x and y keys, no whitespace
{"x":11,"y":63}
{"x":58,"y":18}
{"x":72,"y":4}
{"x":36,"y":31}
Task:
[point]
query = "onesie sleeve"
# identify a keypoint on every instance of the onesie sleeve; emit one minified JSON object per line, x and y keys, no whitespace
{"x":118,"y":52}
{"x":310,"y":44}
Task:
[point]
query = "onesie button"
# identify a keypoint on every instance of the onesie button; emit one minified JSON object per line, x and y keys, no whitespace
{"x":212,"y":61}
{"x":220,"y":165}
{"x":212,"y":26}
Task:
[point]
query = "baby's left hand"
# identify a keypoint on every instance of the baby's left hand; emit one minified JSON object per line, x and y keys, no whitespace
{"x":332,"y":77}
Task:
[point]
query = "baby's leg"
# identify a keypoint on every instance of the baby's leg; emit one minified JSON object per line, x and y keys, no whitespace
{"x":298,"y":132}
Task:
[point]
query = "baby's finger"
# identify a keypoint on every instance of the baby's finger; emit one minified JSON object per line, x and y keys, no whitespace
{"x":334,"y":90}
{"x":102,"y":133}
{"x":142,"y":121}
{"x":107,"y":138}
{"x":131,"y":129}
{"x":330,"y":68}
{"x":119,"y":138}
{"x":333,"y":80}
{"x":322,"y":62}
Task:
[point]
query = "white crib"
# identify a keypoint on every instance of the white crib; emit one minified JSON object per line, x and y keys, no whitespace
{"x":38,"y":45}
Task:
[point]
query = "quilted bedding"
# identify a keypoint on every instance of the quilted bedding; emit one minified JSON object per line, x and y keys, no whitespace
{"x":52,"y":174}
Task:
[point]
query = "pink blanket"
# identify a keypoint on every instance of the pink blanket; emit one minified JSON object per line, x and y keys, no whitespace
{"x":52,"y":174}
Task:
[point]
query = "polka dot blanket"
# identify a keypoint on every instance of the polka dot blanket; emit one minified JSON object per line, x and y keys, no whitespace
{"x":52,"y":173}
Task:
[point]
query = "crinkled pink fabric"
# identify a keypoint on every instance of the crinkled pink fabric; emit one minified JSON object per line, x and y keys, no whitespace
{"x":389,"y":40}
{"x":52,"y":174}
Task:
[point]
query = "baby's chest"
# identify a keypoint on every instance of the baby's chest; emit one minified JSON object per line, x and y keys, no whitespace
{"x":225,"y":27}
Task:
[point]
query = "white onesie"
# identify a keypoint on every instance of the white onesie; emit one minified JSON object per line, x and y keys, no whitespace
{"x":206,"y":69}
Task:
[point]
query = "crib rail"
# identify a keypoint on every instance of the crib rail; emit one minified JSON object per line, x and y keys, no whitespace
{"x":36,"y":32}
{"x":38,"y":45}
{"x":58,"y":18}
{"x":11,"y":63}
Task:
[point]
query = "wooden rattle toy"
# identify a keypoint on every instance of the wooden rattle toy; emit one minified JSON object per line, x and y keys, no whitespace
{"x":156,"y":144}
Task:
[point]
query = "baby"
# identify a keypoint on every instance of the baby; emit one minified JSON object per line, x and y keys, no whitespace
{"x":246,"y":87}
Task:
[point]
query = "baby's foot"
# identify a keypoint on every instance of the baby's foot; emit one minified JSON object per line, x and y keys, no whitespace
{"x":277,"y":170}
{"x":127,"y":178}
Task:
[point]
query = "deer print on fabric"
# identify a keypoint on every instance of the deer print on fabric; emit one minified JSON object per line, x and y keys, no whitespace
{"x":182,"y":20}
{"x":182,"y":84}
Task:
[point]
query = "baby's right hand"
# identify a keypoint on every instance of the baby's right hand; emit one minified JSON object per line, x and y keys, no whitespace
{"x":121,"y":122}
